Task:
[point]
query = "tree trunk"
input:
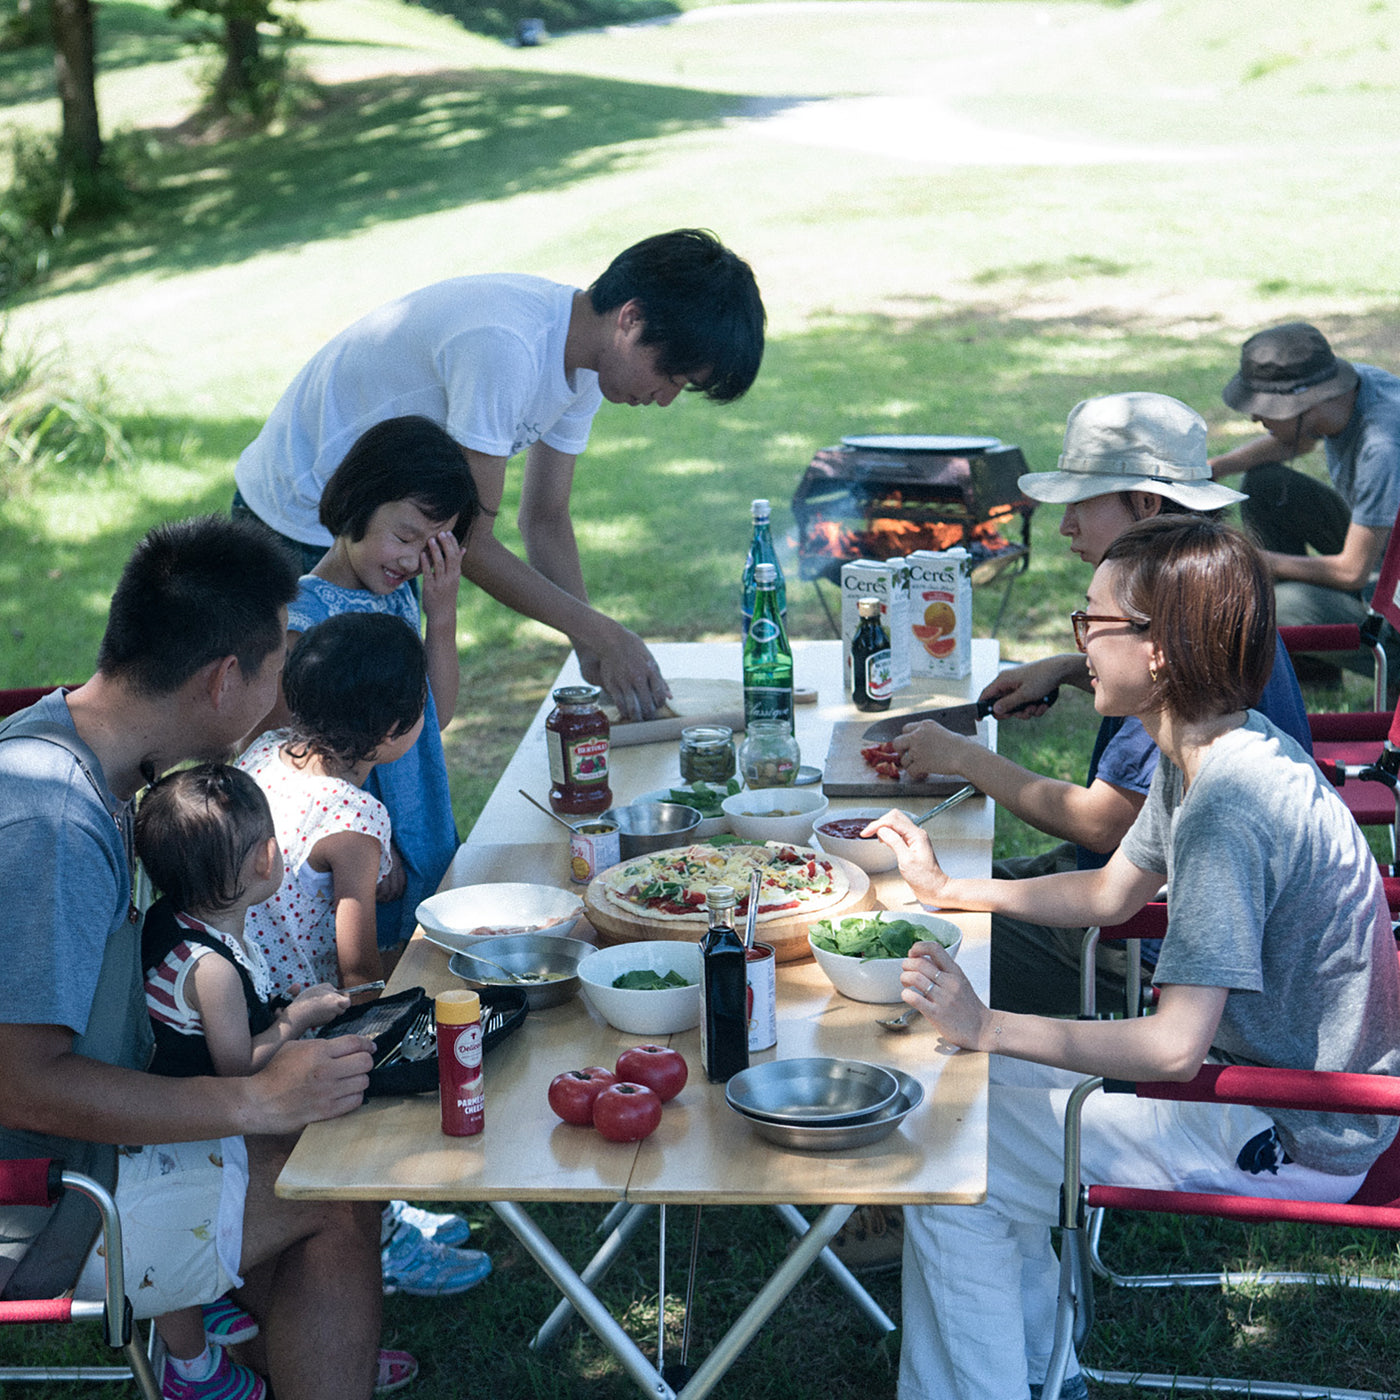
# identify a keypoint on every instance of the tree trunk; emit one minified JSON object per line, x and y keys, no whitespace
{"x":241,"y":54}
{"x":75,"y":68}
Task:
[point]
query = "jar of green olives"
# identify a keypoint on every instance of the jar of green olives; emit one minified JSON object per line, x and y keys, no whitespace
{"x":707,"y":754}
{"x":769,"y":755}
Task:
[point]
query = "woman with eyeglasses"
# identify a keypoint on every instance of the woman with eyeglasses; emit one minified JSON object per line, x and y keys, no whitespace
{"x":1278,"y":951}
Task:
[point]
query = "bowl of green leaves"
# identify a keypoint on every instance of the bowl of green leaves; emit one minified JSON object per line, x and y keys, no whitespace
{"x":863,"y":954}
{"x":647,"y":988}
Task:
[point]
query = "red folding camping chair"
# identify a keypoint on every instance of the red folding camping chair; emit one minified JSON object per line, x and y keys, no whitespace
{"x":1375,"y":1206}
{"x":1344,"y":743}
{"x":40,"y":1182}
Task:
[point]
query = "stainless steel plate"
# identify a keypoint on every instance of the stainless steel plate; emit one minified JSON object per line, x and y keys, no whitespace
{"x":842,"y":1137}
{"x":816,"y":1090}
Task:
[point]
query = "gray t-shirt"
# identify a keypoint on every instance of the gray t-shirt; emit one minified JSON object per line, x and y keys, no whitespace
{"x":1363,"y":460}
{"x":1273,"y":894}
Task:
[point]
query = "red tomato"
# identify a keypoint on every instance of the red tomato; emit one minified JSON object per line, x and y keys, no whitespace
{"x":663,"y":1070}
{"x":626,"y":1112}
{"x":571,"y":1094}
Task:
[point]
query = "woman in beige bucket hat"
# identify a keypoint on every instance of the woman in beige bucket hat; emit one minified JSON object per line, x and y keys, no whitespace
{"x":1125,"y":457}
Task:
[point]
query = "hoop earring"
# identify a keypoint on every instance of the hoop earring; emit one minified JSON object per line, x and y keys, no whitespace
{"x":1152,"y":671}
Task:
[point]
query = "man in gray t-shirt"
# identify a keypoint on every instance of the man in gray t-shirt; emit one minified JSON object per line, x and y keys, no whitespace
{"x":189,"y":663}
{"x":1323,"y":544}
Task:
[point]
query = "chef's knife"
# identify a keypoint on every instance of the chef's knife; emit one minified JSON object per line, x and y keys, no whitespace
{"x":961,"y":719}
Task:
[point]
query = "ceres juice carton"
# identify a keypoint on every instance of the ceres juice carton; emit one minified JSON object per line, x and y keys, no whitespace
{"x":887,"y":580}
{"x":940,"y":608}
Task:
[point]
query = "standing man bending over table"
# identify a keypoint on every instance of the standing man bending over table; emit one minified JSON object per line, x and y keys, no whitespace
{"x":189,"y":662}
{"x":507,"y":363}
{"x":1292,"y":384}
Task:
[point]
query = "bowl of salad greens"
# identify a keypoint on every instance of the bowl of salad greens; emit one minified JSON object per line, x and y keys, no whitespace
{"x":705,"y":798}
{"x":647,"y":988}
{"x":863,"y":954}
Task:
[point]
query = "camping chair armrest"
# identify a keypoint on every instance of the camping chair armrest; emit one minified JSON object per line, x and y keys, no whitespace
{"x":31,"y":1181}
{"x":1324,"y":636}
{"x":1329,"y":1091}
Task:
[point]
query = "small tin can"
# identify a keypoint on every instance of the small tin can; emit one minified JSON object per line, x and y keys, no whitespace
{"x":761,"y":971}
{"x":594,"y":846}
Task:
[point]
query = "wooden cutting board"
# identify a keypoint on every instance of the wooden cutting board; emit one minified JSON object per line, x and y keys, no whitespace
{"x":847,"y":774}
{"x":693,"y":701}
{"x":788,"y":934}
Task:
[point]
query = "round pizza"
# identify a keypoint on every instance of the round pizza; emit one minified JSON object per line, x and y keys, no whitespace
{"x":670,"y":886}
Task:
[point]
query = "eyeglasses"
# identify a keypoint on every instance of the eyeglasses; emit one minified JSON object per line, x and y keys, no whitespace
{"x":1080,"y":622}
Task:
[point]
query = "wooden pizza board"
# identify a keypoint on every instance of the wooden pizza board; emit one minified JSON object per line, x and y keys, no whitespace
{"x":693,"y":701}
{"x":788,"y":934}
{"x":847,"y":774}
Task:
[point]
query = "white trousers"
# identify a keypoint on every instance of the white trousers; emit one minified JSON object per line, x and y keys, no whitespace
{"x":980,"y":1282}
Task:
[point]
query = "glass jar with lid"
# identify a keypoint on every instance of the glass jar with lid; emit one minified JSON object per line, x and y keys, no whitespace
{"x":576,"y":734}
{"x":707,"y":754}
{"x":769,"y":755}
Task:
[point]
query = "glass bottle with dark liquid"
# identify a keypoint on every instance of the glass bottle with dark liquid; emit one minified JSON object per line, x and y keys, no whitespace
{"x":870,"y":660}
{"x":724,"y":1015}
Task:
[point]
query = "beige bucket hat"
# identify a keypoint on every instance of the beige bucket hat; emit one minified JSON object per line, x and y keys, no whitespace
{"x":1132,"y":442}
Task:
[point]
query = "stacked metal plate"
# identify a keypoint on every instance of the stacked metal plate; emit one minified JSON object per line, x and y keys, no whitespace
{"x":822,"y":1104}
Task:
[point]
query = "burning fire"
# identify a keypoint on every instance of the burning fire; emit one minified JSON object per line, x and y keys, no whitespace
{"x":884,"y":537}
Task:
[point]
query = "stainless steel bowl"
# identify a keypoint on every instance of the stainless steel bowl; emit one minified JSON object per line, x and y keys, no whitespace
{"x":527,"y":954}
{"x":842,"y":1137}
{"x":816,"y":1090}
{"x":644,"y":827}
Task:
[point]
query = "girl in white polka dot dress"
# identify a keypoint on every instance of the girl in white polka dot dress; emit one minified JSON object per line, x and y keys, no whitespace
{"x":356,"y":686}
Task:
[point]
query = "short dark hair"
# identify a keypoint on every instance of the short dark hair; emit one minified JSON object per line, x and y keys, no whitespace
{"x":193,"y":592}
{"x":700,"y":305}
{"x":352,"y":682}
{"x":196,"y":828}
{"x":400,"y":459}
{"x":1207,"y":599}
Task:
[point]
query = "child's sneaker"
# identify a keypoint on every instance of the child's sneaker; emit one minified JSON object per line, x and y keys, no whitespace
{"x":396,"y":1370}
{"x":451,"y":1230}
{"x":424,"y":1269}
{"x":229,"y":1381}
{"x":226,"y":1324}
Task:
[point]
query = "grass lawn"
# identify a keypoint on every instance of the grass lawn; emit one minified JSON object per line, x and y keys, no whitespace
{"x":964,"y":216}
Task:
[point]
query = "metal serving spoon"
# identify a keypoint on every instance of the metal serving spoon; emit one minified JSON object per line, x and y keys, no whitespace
{"x":897,"y":1023}
{"x":961,"y":795}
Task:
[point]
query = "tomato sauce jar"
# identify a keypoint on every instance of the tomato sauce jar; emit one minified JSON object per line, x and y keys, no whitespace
{"x":576,"y":734}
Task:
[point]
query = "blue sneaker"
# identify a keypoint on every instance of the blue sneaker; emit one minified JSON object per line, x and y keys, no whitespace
{"x":425,"y":1269}
{"x":1074,"y":1388}
{"x":451,"y":1230}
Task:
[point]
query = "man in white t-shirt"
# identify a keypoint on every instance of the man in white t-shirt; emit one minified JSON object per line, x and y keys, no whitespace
{"x":510,"y":363}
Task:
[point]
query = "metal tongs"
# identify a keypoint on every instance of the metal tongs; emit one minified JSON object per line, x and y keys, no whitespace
{"x":755,"y":879}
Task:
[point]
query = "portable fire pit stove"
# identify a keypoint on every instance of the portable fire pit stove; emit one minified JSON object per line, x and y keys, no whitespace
{"x":883,"y":497}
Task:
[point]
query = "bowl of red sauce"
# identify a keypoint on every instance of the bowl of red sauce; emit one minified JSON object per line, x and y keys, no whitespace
{"x":839,"y":835}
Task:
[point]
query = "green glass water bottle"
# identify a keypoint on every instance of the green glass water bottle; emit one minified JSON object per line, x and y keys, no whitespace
{"x":767,"y":656}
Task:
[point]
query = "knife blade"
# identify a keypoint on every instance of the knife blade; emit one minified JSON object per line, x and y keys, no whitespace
{"x":961,"y":719}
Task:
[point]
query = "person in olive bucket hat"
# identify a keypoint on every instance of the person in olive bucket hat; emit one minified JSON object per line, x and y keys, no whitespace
{"x":1323,"y":544}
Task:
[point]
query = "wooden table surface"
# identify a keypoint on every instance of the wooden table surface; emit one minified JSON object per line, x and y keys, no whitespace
{"x":703,"y":1152}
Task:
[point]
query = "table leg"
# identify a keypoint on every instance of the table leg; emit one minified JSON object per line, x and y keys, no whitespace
{"x":611,"y":1333}
{"x":727,"y":1350}
{"x":844,"y":1279}
{"x":624,"y":1228}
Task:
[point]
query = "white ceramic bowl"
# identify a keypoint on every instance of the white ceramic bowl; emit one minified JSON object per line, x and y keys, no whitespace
{"x":709,"y":826}
{"x":755,"y":815}
{"x":877,"y":979}
{"x":456,"y":919}
{"x":662,"y":1012}
{"x":869,"y":853}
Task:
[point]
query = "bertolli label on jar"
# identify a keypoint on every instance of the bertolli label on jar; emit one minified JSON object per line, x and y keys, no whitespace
{"x":887,"y":580}
{"x":940,"y":613}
